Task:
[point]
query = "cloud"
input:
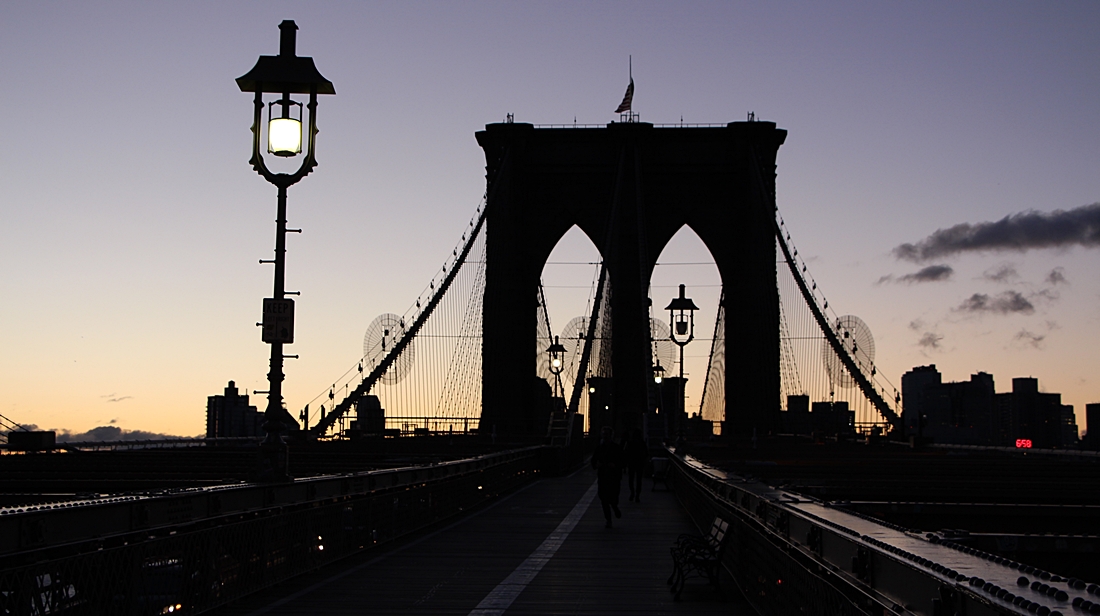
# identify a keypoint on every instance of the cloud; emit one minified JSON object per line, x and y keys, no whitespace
{"x":916,"y":325}
{"x":111,"y":433}
{"x":105,"y":434}
{"x":1001,"y":273}
{"x":1027,"y":338}
{"x":115,"y":397}
{"x":1057,"y":276}
{"x":1017,"y":232}
{"x":930,"y":341}
{"x":1005,"y":303}
{"x":932,"y":273}
{"x":1049,"y":295}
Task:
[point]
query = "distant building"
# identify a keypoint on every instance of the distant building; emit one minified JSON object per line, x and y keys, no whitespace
{"x":833,"y":418}
{"x":948,"y":412}
{"x":820,"y":418}
{"x":972,"y":413}
{"x":230,"y":415}
{"x":796,"y":420}
{"x":1092,"y":426}
{"x":1034,"y":416}
{"x":916,"y":385}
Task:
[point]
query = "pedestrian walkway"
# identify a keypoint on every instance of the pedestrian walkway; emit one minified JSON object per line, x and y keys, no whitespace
{"x":541,"y":550}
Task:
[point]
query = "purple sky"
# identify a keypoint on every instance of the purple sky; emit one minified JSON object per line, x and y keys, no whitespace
{"x":132,"y":222}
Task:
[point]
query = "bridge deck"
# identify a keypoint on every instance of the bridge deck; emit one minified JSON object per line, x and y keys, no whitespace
{"x":461,"y":568}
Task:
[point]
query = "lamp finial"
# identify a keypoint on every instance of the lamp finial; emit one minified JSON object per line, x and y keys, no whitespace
{"x":287,"y":33}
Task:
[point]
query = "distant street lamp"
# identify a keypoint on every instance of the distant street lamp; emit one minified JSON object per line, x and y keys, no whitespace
{"x":681,"y":317}
{"x":557,"y":357}
{"x":284,"y":74}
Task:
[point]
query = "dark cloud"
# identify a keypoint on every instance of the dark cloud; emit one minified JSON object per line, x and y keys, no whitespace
{"x":930,"y":340}
{"x":119,"y":399}
{"x":1030,"y":339}
{"x":1005,"y":303}
{"x":1057,"y":276}
{"x":105,"y":434}
{"x":110,"y":433}
{"x":1018,"y":232}
{"x":1001,"y":273}
{"x":932,"y":273}
{"x":1049,"y":295}
{"x":916,"y":325}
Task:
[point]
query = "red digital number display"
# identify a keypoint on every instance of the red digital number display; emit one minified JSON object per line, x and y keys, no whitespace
{"x":1023,"y":443}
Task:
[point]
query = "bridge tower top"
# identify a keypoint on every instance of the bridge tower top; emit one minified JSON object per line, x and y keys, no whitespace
{"x":630,"y":186}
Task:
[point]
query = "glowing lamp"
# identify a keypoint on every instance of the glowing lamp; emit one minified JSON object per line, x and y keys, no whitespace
{"x":681,"y":311}
{"x":557,"y":354}
{"x":287,"y":132}
{"x":284,"y":134}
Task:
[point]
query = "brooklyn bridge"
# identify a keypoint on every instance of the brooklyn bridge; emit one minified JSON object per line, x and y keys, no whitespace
{"x":449,"y":470}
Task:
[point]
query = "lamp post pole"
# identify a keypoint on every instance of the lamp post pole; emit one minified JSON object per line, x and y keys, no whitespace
{"x":284,"y":74}
{"x":273,"y":426}
{"x":681,"y":316}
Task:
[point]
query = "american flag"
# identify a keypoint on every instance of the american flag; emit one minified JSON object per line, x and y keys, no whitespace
{"x":628,"y":98}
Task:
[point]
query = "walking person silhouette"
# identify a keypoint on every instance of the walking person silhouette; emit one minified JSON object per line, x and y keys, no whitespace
{"x":608,"y":462}
{"x":637,"y":454}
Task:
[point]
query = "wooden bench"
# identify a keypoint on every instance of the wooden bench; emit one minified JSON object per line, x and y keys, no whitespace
{"x":695,"y":555}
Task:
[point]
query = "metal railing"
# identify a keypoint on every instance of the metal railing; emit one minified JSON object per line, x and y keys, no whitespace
{"x":790,"y":554}
{"x":193,"y":550}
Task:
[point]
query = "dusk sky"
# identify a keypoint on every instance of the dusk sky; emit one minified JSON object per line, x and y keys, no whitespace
{"x":132,"y":222}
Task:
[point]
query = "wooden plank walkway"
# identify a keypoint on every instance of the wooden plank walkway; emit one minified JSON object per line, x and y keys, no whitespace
{"x":453,"y":570}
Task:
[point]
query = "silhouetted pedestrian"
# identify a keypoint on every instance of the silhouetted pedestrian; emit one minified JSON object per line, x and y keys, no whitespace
{"x":608,"y":462}
{"x":637,"y":454}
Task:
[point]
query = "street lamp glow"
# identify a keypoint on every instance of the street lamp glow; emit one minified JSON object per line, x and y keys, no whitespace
{"x":284,"y":136}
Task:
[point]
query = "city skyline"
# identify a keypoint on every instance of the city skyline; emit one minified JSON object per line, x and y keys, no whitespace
{"x":133,"y":223}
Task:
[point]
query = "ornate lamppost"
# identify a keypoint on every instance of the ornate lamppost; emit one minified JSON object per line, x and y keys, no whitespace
{"x":557,"y":363}
{"x":283,"y":75}
{"x":681,"y":316}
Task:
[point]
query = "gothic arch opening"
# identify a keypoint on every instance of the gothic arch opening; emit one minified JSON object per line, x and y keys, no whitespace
{"x":569,"y":277}
{"x":686,"y":260}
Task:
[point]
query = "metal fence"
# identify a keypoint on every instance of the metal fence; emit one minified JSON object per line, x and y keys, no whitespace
{"x":193,"y":550}
{"x":768,"y":570}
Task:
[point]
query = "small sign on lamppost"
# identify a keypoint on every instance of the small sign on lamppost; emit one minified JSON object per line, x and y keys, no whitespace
{"x":278,"y":320}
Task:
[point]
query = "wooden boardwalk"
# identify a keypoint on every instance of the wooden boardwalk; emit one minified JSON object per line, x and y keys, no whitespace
{"x":540,"y":550}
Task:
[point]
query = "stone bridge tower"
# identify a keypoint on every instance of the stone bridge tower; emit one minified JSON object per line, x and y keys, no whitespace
{"x":630,"y":187}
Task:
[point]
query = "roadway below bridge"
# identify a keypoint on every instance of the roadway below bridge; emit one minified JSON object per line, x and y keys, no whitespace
{"x":542,"y":549}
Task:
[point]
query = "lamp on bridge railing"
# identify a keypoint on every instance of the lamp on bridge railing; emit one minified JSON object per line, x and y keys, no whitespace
{"x":282,"y":75}
{"x":658,"y":373}
{"x":681,"y":316}
{"x":557,"y":363}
